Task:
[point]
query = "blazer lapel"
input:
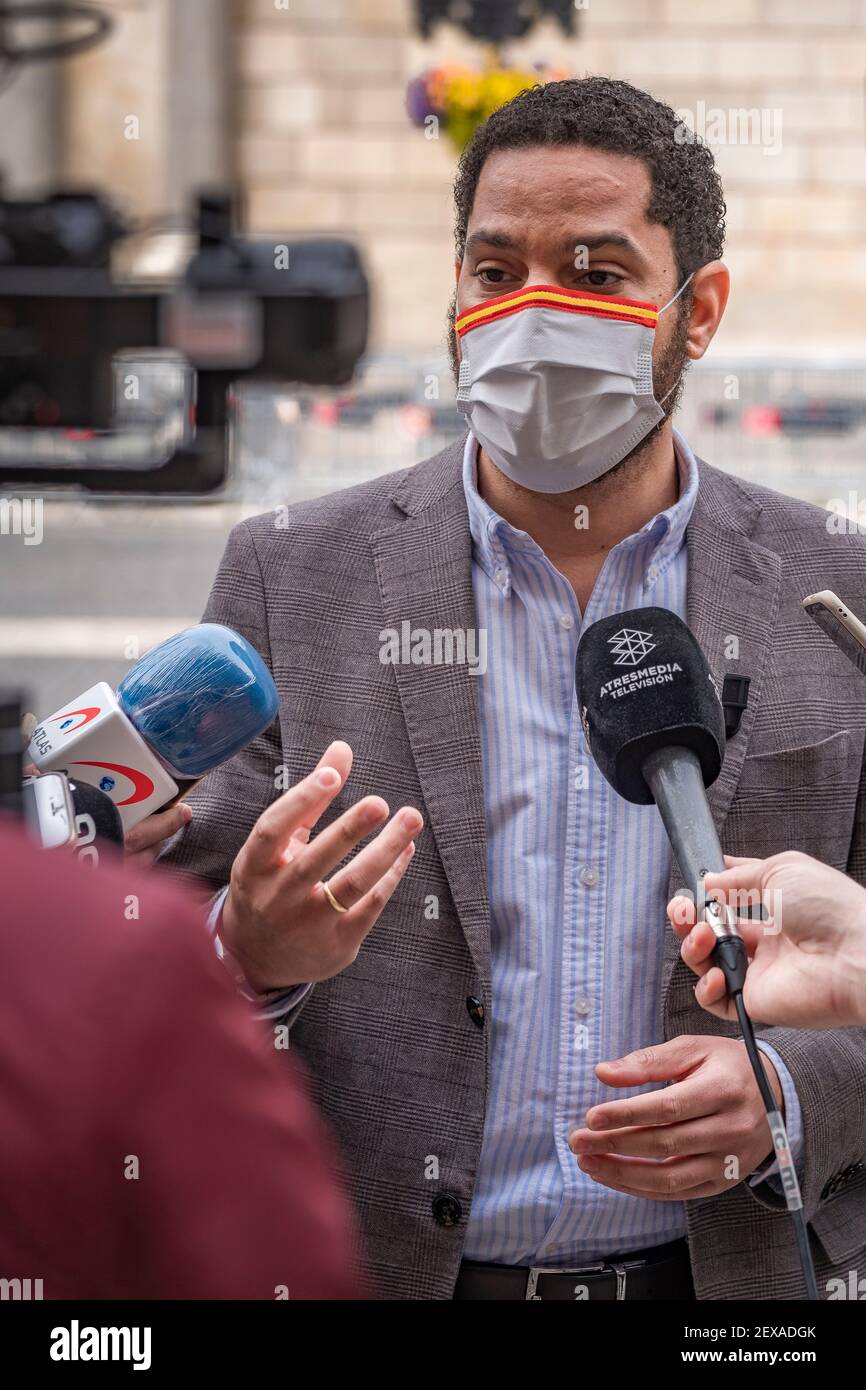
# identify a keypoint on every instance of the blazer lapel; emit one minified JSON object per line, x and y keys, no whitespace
{"x":732,"y":603}
{"x":424,"y":567}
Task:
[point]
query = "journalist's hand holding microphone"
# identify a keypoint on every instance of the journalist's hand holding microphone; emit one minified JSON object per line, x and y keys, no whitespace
{"x":143,"y":842}
{"x":807,"y":956}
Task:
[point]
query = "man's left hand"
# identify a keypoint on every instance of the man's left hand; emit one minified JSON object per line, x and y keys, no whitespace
{"x":698,"y":1136}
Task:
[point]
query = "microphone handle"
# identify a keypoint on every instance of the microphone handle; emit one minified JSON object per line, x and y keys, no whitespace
{"x":674,"y":777}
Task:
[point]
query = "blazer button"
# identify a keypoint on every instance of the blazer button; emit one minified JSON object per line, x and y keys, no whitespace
{"x":447,"y":1209}
{"x":476,"y":1010}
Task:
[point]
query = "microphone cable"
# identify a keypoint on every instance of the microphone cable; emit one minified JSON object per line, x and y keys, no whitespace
{"x":731,"y":957}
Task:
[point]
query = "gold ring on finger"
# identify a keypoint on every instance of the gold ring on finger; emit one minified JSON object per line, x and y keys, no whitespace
{"x":337,"y":906}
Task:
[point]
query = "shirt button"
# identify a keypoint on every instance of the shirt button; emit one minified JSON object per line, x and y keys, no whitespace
{"x":566,"y":621}
{"x":588,"y":876}
{"x":583,"y":1006}
{"x":652,"y":574}
{"x":447,"y":1210}
{"x":500,"y":576}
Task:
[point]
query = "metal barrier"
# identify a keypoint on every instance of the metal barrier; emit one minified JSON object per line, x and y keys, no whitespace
{"x":799,"y":427}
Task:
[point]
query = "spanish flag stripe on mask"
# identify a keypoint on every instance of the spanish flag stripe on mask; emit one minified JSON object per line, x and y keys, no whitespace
{"x":552,"y":297}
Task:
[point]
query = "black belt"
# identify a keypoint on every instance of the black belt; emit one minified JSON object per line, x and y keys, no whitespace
{"x":663,"y":1272}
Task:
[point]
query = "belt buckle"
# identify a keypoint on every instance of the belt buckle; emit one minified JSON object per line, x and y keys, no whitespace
{"x":537,"y":1270}
{"x":618,"y":1267}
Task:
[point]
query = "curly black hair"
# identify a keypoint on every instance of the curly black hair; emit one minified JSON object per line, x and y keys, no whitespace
{"x":603,"y":113}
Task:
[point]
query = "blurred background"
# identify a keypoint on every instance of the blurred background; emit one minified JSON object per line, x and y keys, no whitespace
{"x":196,"y":193}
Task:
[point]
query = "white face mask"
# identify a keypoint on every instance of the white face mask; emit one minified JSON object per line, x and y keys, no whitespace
{"x":557,"y":384}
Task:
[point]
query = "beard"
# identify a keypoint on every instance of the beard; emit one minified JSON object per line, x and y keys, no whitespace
{"x":451,"y":337}
{"x":669,"y":379}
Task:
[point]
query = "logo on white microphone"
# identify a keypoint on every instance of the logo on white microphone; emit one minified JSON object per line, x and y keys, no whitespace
{"x":630,"y":645}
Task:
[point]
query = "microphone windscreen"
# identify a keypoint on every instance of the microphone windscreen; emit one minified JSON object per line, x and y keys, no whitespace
{"x":199,"y":698}
{"x":90,"y":801}
{"x":643,"y":683}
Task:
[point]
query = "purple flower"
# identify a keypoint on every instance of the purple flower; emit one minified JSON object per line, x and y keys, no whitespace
{"x":418,"y":104}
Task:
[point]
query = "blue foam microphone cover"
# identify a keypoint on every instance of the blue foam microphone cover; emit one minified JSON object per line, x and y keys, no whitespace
{"x":199,"y":698}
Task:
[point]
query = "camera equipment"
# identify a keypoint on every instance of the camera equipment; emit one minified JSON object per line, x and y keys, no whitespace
{"x":113,"y":384}
{"x":11,"y":751}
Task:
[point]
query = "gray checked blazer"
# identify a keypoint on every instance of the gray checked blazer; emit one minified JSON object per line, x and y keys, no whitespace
{"x":399,"y":1063}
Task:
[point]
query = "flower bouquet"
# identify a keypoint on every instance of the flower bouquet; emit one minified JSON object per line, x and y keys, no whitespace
{"x":458,"y":99}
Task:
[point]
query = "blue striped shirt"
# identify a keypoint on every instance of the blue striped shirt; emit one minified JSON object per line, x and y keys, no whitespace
{"x":576,"y":969}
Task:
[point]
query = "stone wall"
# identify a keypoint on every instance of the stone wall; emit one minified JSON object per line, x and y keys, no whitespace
{"x":324,"y":145}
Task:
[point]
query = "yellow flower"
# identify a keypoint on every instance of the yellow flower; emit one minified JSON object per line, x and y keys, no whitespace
{"x":468,"y":95}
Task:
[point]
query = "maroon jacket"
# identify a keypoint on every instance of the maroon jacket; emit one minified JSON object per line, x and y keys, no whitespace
{"x":124,"y":1049}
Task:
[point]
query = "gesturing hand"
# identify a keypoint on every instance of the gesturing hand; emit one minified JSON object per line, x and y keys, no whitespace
{"x":277,"y":919}
{"x":678,"y":1143}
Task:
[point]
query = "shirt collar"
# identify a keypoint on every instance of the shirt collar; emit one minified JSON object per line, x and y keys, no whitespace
{"x":494,"y":539}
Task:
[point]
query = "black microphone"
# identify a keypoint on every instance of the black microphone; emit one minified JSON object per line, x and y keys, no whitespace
{"x":97,"y":820}
{"x":66,"y":813}
{"x":655,"y":725}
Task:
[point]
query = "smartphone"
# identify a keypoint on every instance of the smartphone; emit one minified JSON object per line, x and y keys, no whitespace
{"x":840,"y":625}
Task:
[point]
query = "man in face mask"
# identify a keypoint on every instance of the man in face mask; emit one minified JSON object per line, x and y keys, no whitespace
{"x":532,"y":1102}
{"x":570,"y":331}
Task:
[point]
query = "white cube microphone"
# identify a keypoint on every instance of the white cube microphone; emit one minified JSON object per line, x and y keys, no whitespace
{"x":188,"y":705}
